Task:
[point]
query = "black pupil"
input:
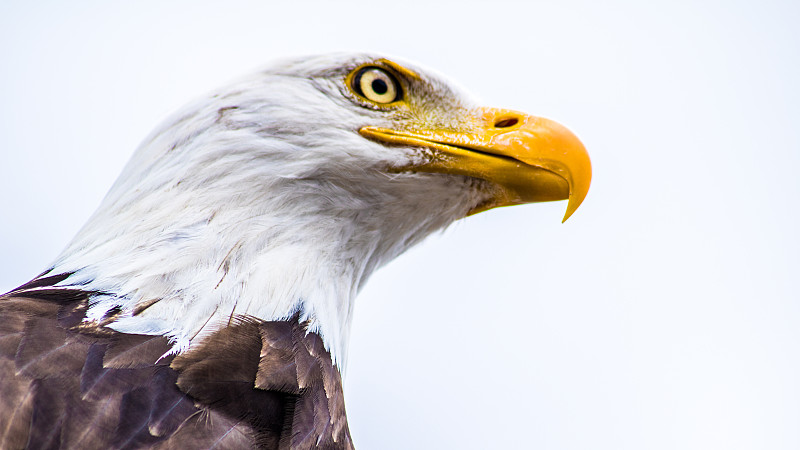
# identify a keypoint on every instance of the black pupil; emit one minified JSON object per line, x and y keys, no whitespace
{"x":379,"y":86}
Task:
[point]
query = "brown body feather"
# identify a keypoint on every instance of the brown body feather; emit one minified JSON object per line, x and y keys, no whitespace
{"x":66,"y":384}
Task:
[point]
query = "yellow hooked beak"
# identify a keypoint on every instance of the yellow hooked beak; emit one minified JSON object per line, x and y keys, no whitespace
{"x":529,"y":159}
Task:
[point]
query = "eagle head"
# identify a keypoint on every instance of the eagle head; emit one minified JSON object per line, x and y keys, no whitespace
{"x":283,"y":192}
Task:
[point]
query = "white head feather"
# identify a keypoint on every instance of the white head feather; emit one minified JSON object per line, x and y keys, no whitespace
{"x":263,"y":200}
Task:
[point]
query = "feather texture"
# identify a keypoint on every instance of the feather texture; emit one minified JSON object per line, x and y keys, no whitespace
{"x":254,"y":384}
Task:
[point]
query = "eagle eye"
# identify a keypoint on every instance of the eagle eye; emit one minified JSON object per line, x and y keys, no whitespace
{"x":377,"y":85}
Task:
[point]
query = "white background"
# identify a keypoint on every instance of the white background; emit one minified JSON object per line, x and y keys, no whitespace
{"x":663,"y":315}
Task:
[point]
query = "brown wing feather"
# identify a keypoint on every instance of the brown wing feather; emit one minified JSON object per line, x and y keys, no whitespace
{"x":66,"y":384}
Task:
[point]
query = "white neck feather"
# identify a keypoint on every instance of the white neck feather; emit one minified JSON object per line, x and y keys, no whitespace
{"x":242,"y":206}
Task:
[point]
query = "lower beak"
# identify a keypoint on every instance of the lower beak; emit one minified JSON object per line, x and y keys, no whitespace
{"x":529,"y":159}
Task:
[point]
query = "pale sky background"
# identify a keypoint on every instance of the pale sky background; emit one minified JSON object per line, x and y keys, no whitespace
{"x":663,"y":315}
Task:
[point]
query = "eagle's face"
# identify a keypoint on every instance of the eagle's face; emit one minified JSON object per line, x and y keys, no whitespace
{"x":424,"y":125}
{"x":286,"y":190}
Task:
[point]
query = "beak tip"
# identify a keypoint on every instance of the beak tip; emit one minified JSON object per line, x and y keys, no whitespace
{"x":573,"y":204}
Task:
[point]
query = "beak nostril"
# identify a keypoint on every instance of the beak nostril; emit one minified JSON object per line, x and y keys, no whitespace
{"x":507,"y":122}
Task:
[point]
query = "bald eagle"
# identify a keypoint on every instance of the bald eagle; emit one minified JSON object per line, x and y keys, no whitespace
{"x":207,"y":301}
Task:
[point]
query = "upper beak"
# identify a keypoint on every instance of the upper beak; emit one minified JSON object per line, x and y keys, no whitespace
{"x":530,"y":159}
